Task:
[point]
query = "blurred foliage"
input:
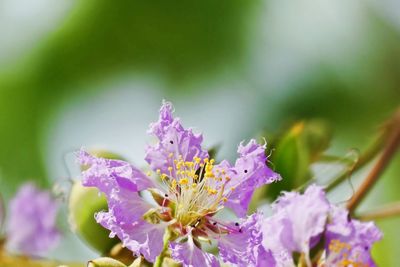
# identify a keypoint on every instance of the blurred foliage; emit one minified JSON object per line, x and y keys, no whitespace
{"x":178,"y":40}
{"x":292,"y":153}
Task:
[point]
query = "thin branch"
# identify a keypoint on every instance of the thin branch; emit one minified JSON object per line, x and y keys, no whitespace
{"x":364,"y":159}
{"x":389,"y":151}
{"x":386,"y":211}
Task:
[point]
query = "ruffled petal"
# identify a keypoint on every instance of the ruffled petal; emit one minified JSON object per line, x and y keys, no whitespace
{"x":106,"y":173}
{"x":189,"y":255}
{"x":273,"y":228}
{"x":174,"y":142}
{"x":139,"y":236}
{"x":125,"y":220}
{"x":249,"y":173}
{"x":243,"y":247}
{"x":303,"y":218}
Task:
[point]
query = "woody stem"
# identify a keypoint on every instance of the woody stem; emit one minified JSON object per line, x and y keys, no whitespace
{"x":390,"y":148}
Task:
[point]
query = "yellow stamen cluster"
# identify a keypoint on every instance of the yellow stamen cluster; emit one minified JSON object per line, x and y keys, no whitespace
{"x":337,"y":247}
{"x":195,"y":187}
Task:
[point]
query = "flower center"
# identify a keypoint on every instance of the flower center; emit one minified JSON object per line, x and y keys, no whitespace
{"x":195,"y":188}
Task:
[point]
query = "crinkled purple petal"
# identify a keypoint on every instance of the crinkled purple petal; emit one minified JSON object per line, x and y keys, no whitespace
{"x":125,"y":219}
{"x":273,"y":228}
{"x":173,"y":140}
{"x":106,"y":173}
{"x":357,"y":237}
{"x":249,"y":173}
{"x":189,"y":255}
{"x":32,"y":221}
{"x":138,"y":235}
{"x":243,"y":246}
{"x":303,"y":218}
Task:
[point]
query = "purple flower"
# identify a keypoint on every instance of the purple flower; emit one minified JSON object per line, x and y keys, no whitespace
{"x":301,"y":221}
{"x":32,"y":221}
{"x":349,"y":241}
{"x":192,"y":192}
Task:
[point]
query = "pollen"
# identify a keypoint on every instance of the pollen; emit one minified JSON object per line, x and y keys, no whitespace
{"x":196,"y":188}
{"x":183,"y":181}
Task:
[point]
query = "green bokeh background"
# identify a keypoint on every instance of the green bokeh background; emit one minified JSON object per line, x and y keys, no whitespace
{"x":339,"y":62}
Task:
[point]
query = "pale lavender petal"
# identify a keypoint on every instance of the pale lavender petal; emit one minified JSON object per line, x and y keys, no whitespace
{"x":125,"y":219}
{"x":303,"y":217}
{"x":174,"y":141}
{"x":249,"y":173}
{"x":139,"y":236}
{"x":189,"y":255}
{"x":243,"y":246}
{"x":273,"y":228}
{"x":105,"y":173}
{"x":32,"y":221}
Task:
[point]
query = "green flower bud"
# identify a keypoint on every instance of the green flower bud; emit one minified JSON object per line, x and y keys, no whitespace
{"x":84,"y":202}
{"x":105,"y":262}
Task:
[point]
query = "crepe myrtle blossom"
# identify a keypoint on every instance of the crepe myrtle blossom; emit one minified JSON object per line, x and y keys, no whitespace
{"x":32,"y":221}
{"x":301,"y":222}
{"x":192,"y":191}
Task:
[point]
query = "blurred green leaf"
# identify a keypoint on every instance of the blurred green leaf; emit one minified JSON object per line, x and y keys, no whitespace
{"x":177,"y":40}
{"x":294,"y":152}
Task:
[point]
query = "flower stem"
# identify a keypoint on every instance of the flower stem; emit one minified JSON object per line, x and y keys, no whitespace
{"x":390,"y":148}
{"x":363,"y":160}
{"x":164,"y":252}
{"x":386,"y":211}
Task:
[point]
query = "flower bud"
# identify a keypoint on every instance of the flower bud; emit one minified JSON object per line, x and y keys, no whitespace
{"x":105,"y":262}
{"x":84,"y":202}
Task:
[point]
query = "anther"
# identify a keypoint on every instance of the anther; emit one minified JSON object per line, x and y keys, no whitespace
{"x":236,"y":223}
{"x":245,"y":171}
{"x":214,"y":223}
{"x":171,"y":142}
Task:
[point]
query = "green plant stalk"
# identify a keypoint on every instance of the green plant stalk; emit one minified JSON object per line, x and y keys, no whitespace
{"x":378,"y":145}
{"x":364,"y":159}
{"x":391,"y":145}
{"x":386,"y":211}
{"x":160,"y":258}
